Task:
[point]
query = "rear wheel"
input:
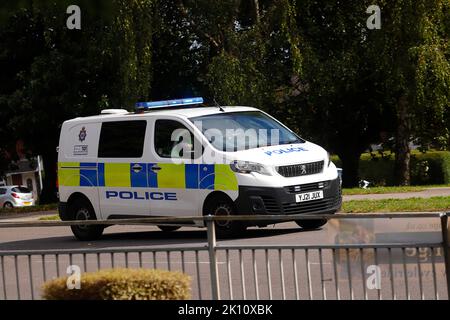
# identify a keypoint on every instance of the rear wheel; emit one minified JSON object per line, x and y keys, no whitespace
{"x":311,"y":224}
{"x":169,"y":228}
{"x":82,"y":210}
{"x":7,"y":205}
{"x":222,"y":206}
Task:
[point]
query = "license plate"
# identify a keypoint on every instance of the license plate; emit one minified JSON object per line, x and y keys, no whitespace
{"x":309,"y":196}
{"x":27,"y":203}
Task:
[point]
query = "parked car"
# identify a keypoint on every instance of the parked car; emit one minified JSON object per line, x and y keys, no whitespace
{"x":15,"y":196}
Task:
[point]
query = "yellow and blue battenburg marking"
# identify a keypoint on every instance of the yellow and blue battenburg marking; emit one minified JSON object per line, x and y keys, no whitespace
{"x":176,"y":176}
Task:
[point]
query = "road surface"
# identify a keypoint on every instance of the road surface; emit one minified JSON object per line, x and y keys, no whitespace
{"x":315,"y":277}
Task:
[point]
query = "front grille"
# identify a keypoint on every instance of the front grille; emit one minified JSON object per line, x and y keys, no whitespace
{"x":303,"y":169}
{"x":311,"y":206}
{"x":306,"y":187}
{"x":302,"y":207}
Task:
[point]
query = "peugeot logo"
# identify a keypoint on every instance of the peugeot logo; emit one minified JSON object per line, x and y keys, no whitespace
{"x":303,"y":169}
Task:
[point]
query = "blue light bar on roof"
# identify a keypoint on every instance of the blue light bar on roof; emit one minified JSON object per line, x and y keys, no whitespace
{"x":169,"y":103}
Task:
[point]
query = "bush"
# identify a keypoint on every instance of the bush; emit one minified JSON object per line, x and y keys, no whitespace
{"x":425,"y":168}
{"x":122,"y":284}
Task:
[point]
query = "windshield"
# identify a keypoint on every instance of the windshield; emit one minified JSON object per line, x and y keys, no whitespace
{"x":237,"y":131}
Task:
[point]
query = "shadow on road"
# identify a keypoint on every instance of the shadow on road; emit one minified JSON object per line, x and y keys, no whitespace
{"x":139,"y":239}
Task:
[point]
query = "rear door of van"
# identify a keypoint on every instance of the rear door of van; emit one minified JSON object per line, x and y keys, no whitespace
{"x":77,"y":161}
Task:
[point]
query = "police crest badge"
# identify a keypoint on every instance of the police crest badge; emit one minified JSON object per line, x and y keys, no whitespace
{"x":82,"y":134}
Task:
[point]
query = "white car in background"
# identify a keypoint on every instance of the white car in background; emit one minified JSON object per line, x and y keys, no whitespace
{"x":15,"y":196}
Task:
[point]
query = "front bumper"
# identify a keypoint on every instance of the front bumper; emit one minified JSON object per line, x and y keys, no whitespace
{"x":281,"y":201}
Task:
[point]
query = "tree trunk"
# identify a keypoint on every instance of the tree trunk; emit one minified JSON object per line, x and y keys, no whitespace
{"x":48,"y":194}
{"x":257,"y":15}
{"x":402,"y":149}
{"x":350,"y":167}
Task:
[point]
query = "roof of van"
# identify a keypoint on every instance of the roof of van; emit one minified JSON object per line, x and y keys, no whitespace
{"x":187,"y":112}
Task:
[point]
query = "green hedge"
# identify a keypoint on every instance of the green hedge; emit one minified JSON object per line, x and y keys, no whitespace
{"x":122,"y":284}
{"x":426,"y":168}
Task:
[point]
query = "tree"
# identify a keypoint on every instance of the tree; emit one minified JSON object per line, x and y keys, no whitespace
{"x":358,"y":83}
{"x":179,"y":57}
{"x":415,"y":63}
{"x":69,"y":73}
{"x":284,"y":57}
{"x":242,"y":51}
{"x":338,"y":101}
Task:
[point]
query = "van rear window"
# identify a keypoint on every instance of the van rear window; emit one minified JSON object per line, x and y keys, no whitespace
{"x":122,"y":139}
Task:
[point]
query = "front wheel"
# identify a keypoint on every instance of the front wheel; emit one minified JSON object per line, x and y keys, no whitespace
{"x":311,"y":224}
{"x":82,"y":210}
{"x":221,"y":206}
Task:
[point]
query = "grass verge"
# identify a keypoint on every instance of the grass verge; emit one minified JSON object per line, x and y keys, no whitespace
{"x":50,"y":218}
{"x":45,"y":207}
{"x":397,"y":205}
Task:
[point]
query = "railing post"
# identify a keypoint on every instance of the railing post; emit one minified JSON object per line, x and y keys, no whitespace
{"x":445,"y":246}
{"x":211,"y":231}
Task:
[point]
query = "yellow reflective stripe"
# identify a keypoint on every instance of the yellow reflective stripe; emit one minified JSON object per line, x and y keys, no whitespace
{"x":117,"y":175}
{"x":68,"y":164}
{"x":224,"y":178}
{"x":171,"y":175}
{"x":69,"y":174}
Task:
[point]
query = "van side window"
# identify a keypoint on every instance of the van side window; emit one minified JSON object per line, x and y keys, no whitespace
{"x":122,"y":139}
{"x":173,"y":139}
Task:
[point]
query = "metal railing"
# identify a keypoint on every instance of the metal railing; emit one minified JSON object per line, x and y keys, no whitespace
{"x":269,"y":271}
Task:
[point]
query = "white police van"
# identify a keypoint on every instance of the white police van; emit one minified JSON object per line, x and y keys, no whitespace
{"x":180,"y":158}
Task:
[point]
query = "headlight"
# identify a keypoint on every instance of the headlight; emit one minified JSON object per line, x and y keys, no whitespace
{"x":247,"y":167}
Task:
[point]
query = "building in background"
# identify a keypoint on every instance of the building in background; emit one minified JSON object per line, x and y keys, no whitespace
{"x":26,"y":172}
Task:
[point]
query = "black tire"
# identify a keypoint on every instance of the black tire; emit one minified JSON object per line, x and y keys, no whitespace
{"x":221,"y":205}
{"x":81,"y":209}
{"x":311,"y":224}
{"x":8,"y":205}
{"x":169,"y":228}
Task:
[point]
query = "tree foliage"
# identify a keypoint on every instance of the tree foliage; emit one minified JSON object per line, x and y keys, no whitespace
{"x":53,"y":74}
{"x":338,"y":101}
{"x":315,"y":65}
{"x":414,"y":63}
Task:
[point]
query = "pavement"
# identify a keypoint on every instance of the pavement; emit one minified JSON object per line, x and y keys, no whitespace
{"x":427,"y":193}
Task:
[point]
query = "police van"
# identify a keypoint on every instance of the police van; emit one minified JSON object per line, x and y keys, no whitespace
{"x":180,"y":158}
